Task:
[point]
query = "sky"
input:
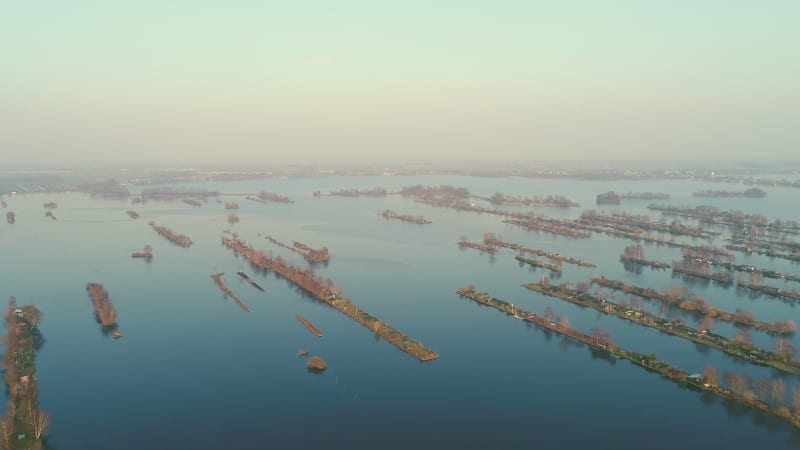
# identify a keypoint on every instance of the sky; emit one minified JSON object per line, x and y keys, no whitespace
{"x":94,"y":82}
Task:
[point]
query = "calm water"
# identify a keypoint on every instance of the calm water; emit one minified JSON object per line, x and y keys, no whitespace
{"x":195,"y":371}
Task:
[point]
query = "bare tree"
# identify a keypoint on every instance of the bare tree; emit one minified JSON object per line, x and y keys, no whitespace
{"x":743,"y":337}
{"x":674,"y":291}
{"x":606,"y":340}
{"x":736,"y":382}
{"x":763,"y":389}
{"x":784,"y":326}
{"x":597,"y":333}
{"x":40,"y":420}
{"x":701,"y":304}
{"x":563,"y":322}
{"x":744,"y":316}
{"x":710,"y":374}
{"x":7,"y":429}
{"x":784,"y":350}
{"x":778,"y":392}
{"x":706,"y":324}
{"x":548,"y":313}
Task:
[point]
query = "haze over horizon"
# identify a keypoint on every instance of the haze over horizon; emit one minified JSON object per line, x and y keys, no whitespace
{"x":88,"y":81}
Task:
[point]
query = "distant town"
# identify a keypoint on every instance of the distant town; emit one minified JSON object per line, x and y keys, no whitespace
{"x":113,"y":180}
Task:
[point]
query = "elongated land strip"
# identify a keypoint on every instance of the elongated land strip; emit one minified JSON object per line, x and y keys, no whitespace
{"x":324,"y":291}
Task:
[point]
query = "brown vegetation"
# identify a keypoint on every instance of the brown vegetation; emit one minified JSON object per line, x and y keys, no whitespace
{"x":146,"y":253}
{"x":316,"y":331}
{"x":324,"y":290}
{"x":175,"y":238}
{"x":104,"y":311}
{"x":24,"y":424}
{"x":309,"y":254}
{"x":389,"y":214}
{"x":317,"y":364}
{"x":224,"y":288}
{"x":265,"y":197}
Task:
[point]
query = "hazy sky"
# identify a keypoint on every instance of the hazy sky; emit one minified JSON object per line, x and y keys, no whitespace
{"x":99,"y":81}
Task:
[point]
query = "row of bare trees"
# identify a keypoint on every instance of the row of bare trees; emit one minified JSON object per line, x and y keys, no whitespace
{"x":389,"y":214}
{"x":176,"y":238}
{"x":771,"y":392}
{"x":273,"y":197}
{"x":308,"y":253}
{"x":303,"y":277}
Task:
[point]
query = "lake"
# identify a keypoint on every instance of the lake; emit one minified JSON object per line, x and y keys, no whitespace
{"x":193,"y":370}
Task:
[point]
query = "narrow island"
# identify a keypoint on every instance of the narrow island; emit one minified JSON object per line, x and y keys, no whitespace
{"x":323,"y":290}
{"x":463,"y":242}
{"x":780,"y":358}
{"x":24,"y":424}
{"x":146,"y":253}
{"x":558,"y":227}
{"x":133,"y":214}
{"x":389,"y":214}
{"x":701,"y":269}
{"x":602,"y":341}
{"x":634,"y":254}
{"x":192,"y":202}
{"x":673,"y":296}
{"x":249,"y":280}
{"x":176,"y":238}
{"x":644,"y":196}
{"x":558,"y":201}
{"x":266,"y":197}
{"x":494,"y":241}
{"x":314,"y":330}
{"x":224,"y":288}
{"x":734,"y":219}
{"x":104,"y":312}
{"x":743,"y":283}
{"x":536,"y":263}
{"x":747,"y":193}
{"x":634,"y":223}
{"x":311,"y":255}
{"x":170,"y":194}
{"x":371,"y":192}
{"x":233,"y":218}
{"x":608,"y":198}
{"x":231,"y":205}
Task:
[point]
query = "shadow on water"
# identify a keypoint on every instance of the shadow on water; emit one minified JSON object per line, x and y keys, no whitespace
{"x":690,"y":280}
{"x":633,"y":267}
{"x":736,"y":411}
{"x":106,"y":331}
{"x":602,"y":355}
